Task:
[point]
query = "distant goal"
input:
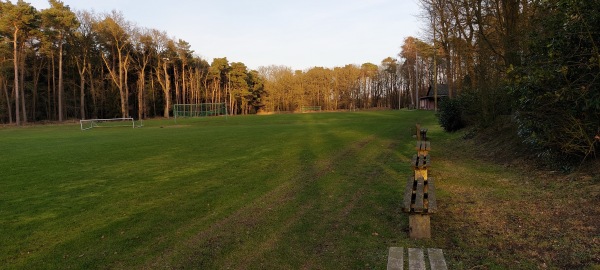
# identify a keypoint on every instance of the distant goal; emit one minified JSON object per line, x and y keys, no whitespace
{"x":307,"y":109}
{"x":199,"y":110}
{"x":109,"y":122}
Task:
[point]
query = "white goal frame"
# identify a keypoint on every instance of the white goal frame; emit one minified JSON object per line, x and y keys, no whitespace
{"x":307,"y":109}
{"x":115,"y":122}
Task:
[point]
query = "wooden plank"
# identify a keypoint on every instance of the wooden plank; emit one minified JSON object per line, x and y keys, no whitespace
{"x":417,"y":129}
{"x":422,"y":145}
{"x":408,"y":193}
{"x":416,"y":259}
{"x":421,"y":161}
{"x":436,"y":259}
{"x":419,"y":194}
{"x":396,"y":259}
{"x":431,"y":202}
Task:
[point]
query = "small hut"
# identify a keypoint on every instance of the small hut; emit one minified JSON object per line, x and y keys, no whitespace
{"x":428,"y":102}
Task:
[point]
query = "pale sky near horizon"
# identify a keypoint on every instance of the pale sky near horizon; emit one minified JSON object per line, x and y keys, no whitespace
{"x":297,"y":34}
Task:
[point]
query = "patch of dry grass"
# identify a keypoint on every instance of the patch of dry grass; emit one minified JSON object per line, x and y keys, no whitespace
{"x":500,"y":212}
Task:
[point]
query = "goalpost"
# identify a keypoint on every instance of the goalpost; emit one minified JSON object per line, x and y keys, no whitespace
{"x":306,"y":109}
{"x":199,"y":110}
{"x":110,"y":122}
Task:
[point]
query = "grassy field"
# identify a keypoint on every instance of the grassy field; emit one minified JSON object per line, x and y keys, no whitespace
{"x":297,"y":191}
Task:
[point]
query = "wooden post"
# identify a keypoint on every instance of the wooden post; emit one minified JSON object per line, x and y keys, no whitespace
{"x":418,"y":132}
{"x":419,"y":226}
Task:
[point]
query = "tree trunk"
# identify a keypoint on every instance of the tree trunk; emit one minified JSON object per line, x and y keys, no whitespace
{"x":126,"y":86}
{"x":82,"y":93}
{"x":153,"y":94}
{"x":60,"y":80}
{"x":55,"y":112}
{"x":22,"y":83}
{"x":119,"y":78}
{"x":3,"y":84}
{"x":166,"y":90}
{"x":93,"y":91}
{"x":177,"y":91}
{"x":16,"y":83}
{"x":511,"y":38}
{"x":48,"y":94}
{"x":37,"y":71}
{"x":140,"y":93}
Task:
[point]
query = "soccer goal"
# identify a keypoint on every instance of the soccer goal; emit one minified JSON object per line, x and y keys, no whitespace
{"x":199,"y":110}
{"x":306,"y":109}
{"x":110,"y":122}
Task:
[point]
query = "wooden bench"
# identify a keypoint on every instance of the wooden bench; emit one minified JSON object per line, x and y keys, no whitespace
{"x":423,"y":147}
{"x":420,"y":164}
{"x":416,"y":259}
{"x":419,"y":201}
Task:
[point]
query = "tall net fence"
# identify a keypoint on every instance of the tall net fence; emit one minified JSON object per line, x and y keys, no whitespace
{"x":199,"y":110}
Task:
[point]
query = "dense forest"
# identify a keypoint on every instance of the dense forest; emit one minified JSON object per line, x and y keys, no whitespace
{"x":535,"y":61}
{"x":60,"y":64}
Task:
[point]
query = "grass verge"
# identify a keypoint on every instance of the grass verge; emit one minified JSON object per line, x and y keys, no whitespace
{"x":502,"y":211}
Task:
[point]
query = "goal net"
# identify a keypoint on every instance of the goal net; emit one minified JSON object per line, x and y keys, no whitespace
{"x":305,"y":109}
{"x":199,"y":110}
{"x":111,"y":122}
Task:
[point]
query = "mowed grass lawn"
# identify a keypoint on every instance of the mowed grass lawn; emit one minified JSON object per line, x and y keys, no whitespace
{"x":293,"y":191}
{"x":281,"y":191}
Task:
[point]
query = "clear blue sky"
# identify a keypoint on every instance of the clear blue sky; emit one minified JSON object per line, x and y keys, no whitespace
{"x":299,"y":34}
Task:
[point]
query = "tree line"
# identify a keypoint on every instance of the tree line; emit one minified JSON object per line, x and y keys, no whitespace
{"x":349,"y":87}
{"x":58,"y":64}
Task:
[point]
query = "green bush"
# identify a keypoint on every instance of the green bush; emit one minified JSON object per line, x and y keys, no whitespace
{"x":450,"y":114}
{"x":557,"y":91}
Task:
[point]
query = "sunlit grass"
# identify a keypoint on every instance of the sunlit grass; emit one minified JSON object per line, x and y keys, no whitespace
{"x":309,"y":190}
{"x":295,"y":191}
